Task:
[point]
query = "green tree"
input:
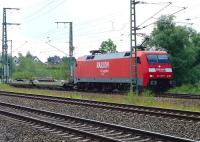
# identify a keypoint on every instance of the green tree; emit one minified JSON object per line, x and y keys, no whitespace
{"x":108,"y":46}
{"x":59,"y":71}
{"x":183,"y":45}
{"x":28,"y":68}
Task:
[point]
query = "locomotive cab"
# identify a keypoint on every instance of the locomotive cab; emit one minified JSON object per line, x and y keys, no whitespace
{"x":159,"y":70}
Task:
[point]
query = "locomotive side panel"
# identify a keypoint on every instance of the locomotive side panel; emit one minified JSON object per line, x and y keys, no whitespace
{"x":113,"y":70}
{"x":108,"y":71}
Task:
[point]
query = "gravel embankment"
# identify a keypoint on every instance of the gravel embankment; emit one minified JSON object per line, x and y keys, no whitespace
{"x":178,"y":128}
{"x":183,"y":102}
{"x":14,"y":131}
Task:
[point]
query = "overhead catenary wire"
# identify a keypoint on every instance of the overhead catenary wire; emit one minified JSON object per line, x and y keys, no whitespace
{"x":93,"y":35}
{"x":43,"y":7}
{"x":89,"y":33}
{"x":79,"y":29}
{"x":155,"y":3}
{"x":155,"y":14}
{"x":161,"y":3}
{"x":182,"y":8}
{"x":56,"y":48}
{"x":16,"y":49}
{"x":189,"y":19}
{"x":46,"y":10}
{"x":83,"y":31}
{"x":83,"y":26}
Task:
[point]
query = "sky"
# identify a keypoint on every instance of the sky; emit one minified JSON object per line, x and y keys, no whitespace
{"x":94,"y":21}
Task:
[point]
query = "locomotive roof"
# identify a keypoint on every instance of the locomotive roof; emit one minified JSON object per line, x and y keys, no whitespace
{"x":117,"y":55}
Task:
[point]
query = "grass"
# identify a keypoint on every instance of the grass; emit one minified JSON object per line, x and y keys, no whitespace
{"x":192,"y":89}
{"x":144,"y":99}
{"x":5,"y":87}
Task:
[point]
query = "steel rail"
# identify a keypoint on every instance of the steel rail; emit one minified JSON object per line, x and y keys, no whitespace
{"x":85,"y":127}
{"x":178,"y":95}
{"x":170,"y":113}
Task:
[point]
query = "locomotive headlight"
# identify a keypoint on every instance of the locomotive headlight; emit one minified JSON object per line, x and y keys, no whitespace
{"x":168,"y":69}
{"x":151,"y":76}
{"x":169,"y":76}
{"x":152,"y":70}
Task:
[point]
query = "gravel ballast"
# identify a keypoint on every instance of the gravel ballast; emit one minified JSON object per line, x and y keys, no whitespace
{"x":168,"y":126}
{"x":13,"y":131}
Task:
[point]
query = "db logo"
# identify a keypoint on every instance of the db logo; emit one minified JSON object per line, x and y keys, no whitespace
{"x":102,"y":65}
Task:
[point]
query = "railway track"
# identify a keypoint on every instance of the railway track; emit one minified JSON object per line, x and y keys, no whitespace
{"x":80,"y":129}
{"x":178,"y":95}
{"x":159,"y":112}
{"x":164,"y":95}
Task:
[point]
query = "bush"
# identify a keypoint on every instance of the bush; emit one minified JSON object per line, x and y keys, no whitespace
{"x":22,"y":75}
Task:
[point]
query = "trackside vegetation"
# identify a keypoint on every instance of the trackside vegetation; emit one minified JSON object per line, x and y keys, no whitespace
{"x":145,"y":99}
{"x":188,"y":89}
{"x":183,"y":45}
{"x":28,"y":68}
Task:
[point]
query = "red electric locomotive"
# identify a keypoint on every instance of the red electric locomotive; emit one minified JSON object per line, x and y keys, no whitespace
{"x":112,"y":70}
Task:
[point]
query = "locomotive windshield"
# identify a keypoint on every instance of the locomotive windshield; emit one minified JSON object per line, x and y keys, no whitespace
{"x":153,"y":59}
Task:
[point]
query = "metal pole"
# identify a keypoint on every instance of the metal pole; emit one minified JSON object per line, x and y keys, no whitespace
{"x":4,"y":46}
{"x":71,"y":48}
{"x":131,"y":49}
{"x":70,"y":40}
{"x":10,"y":58}
{"x":133,"y":29}
{"x":135,"y":46}
{"x":5,"y":64}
